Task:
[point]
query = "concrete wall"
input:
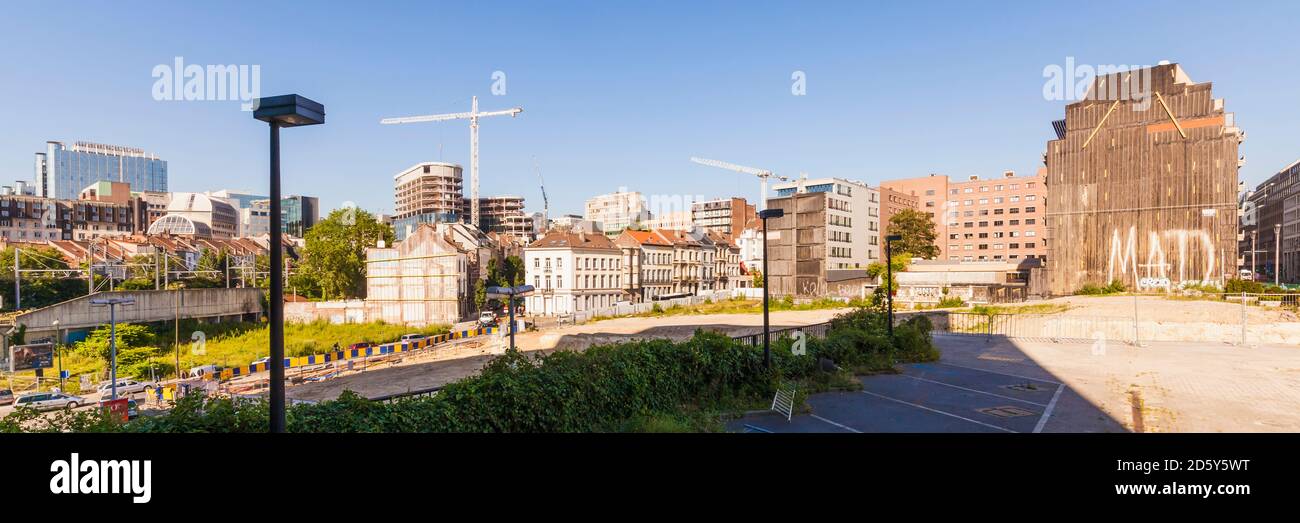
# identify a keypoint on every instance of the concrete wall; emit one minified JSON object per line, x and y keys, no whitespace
{"x":149,"y":306}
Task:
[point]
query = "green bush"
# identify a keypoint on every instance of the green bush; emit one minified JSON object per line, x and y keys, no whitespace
{"x":1115,"y":286}
{"x":653,"y":385}
{"x":1237,"y":286}
{"x":951,"y":302}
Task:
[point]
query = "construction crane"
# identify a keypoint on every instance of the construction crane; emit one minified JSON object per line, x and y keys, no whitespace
{"x":762,"y":174}
{"x":546,"y":205}
{"x":473,"y":115}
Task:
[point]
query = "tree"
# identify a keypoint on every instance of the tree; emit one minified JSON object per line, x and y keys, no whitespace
{"x":877,"y":270}
{"x":917,"y":230}
{"x":334,"y":259}
{"x":38,"y":288}
{"x":758,"y":277}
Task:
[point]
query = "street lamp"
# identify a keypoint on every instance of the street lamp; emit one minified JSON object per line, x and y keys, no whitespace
{"x":510,"y":293}
{"x":767,"y":334}
{"x":112,"y":304}
{"x":288,"y":110}
{"x":1277,"y":254}
{"x":889,"y":281}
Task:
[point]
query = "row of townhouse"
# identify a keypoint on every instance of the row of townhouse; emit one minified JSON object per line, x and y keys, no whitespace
{"x":576,"y":271}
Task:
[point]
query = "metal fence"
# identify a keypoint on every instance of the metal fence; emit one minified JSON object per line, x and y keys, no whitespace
{"x":756,"y":339}
{"x":411,"y":394}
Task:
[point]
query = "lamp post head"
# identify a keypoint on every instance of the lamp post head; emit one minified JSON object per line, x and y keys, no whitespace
{"x":771,"y":213}
{"x":289,"y":110}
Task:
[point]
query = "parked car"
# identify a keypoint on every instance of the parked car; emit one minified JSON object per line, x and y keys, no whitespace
{"x":127,"y":387}
{"x":487,"y":319}
{"x":412,"y":337}
{"x":263,"y":359}
{"x":362,"y":345}
{"x":6,"y":396}
{"x":49,"y":401}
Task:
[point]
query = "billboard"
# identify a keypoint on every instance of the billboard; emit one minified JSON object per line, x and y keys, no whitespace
{"x":33,"y":356}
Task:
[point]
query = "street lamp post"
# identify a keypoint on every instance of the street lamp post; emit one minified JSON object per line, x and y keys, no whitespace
{"x":889,"y":281}
{"x":1277,"y":254}
{"x":510,"y":293}
{"x":112,"y":304}
{"x":767,"y":277}
{"x":288,"y":110}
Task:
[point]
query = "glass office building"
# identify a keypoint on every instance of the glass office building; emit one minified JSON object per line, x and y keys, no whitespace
{"x":298,"y":214}
{"x":62,"y":172}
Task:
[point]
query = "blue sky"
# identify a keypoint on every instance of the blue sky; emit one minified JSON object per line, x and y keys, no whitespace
{"x":619,"y":93}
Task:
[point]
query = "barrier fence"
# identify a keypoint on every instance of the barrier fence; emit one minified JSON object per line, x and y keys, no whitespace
{"x":384,"y":349}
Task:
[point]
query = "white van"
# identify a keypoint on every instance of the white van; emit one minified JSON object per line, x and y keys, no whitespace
{"x":201,"y":371}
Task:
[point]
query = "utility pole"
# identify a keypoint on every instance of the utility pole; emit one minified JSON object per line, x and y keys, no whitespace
{"x":156,"y":281}
{"x":1253,"y":254}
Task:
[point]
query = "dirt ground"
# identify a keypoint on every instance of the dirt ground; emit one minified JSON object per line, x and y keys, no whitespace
{"x":1154,"y":308}
{"x":466,"y":358}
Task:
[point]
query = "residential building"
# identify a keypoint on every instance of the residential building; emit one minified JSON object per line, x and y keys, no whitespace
{"x":726,"y":215}
{"x":61,"y":172}
{"x":1271,"y":215}
{"x":982,"y":219}
{"x":573,"y":272}
{"x":647,"y":264}
{"x":118,"y":201}
{"x":688,"y":261}
{"x":575,"y":223}
{"x":617,"y":211}
{"x":505,"y":215}
{"x":428,"y":192}
{"x":422,"y":280}
{"x":851,"y":220}
{"x":750,"y":247}
{"x":1142,"y":189}
{"x":674,"y":220}
{"x":893,"y":202}
{"x":30,"y":219}
{"x":298,"y":214}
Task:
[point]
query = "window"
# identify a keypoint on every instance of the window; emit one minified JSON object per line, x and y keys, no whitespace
{"x":997,"y":223}
{"x":1015,"y":222}
{"x":968,"y":202}
{"x":997,"y":200}
{"x":1015,"y":199}
{"x":984,"y":201}
{"x":1029,"y":246}
{"x":1015,"y":210}
{"x":929,"y":192}
{"x":1030,"y":221}
{"x":929,"y":204}
{"x":984,"y":246}
{"x":1030,"y":197}
{"x":1029,"y":209}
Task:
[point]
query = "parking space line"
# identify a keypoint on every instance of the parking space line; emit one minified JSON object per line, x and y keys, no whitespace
{"x":996,"y":372}
{"x":845,"y":427}
{"x":923,"y":407}
{"x":1042,"y":422}
{"x":975,"y":391}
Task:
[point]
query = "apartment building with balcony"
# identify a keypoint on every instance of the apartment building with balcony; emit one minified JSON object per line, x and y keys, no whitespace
{"x":427,"y":192}
{"x":505,"y":215}
{"x":647,"y":264}
{"x":617,"y":211}
{"x":687,"y":261}
{"x":726,"y":215}
{"x":573,"y":272}
{"x":851,"y":219}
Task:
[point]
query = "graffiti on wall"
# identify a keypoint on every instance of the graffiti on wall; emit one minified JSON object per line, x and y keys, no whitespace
{"x":1173,"y":257}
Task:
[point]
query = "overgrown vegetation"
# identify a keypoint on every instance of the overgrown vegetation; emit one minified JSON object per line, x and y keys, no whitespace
{"x":1091,"y":289}
{"x":741,"y":305}
{"x":148,"y":351}
{"x":647,"y":386}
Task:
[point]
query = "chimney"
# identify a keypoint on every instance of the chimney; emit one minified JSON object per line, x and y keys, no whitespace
{"x":582,"y":235}
{"x":1008,"y":174}
{"x":974,"y":177}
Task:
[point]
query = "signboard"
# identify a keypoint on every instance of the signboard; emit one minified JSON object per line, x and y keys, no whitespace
{"x":33,"y":356}
{"x":116,"y":408}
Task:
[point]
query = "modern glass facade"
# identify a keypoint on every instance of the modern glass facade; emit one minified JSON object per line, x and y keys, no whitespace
{"x":62,"y":172}
{"x":298,"y":214}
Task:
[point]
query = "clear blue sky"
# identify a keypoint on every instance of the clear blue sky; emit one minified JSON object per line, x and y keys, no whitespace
{"x":616,"y":94}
